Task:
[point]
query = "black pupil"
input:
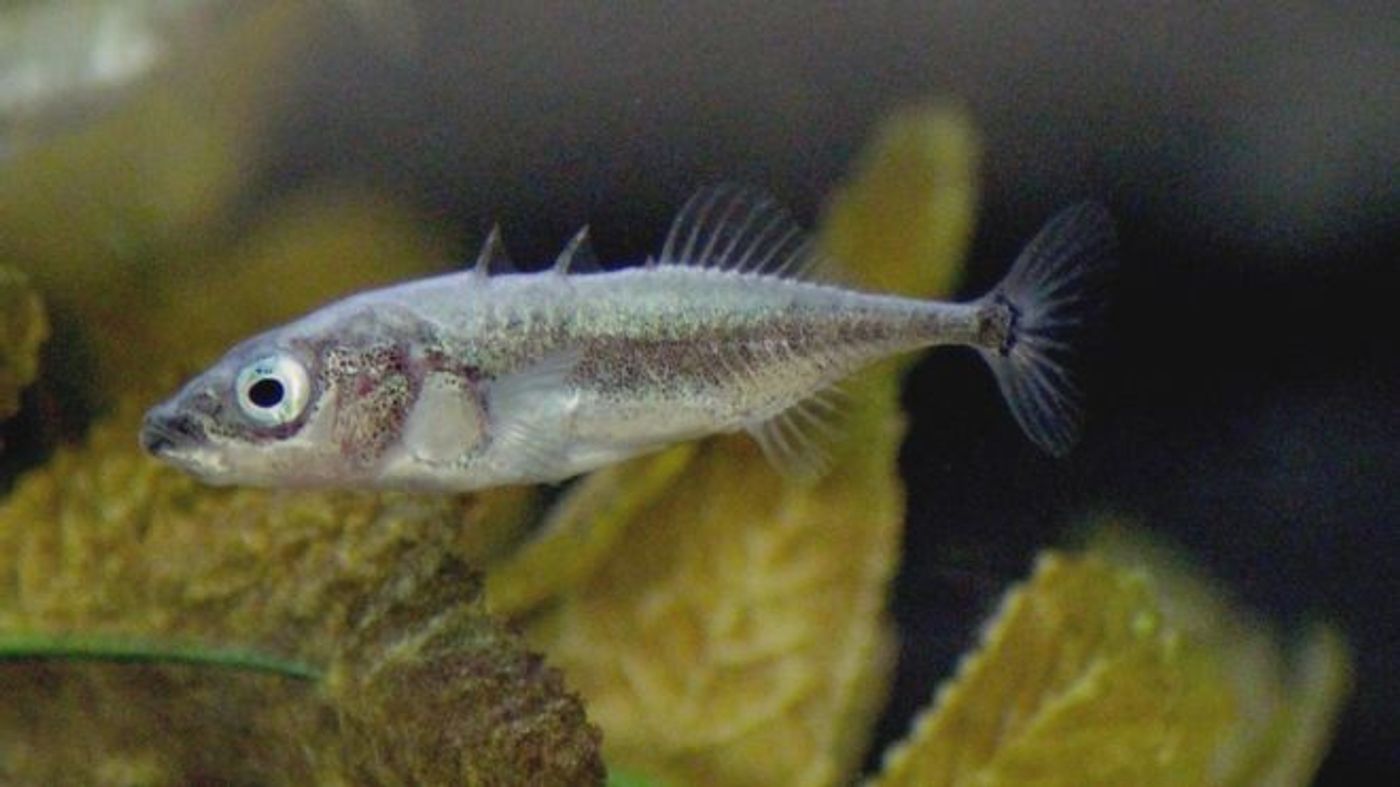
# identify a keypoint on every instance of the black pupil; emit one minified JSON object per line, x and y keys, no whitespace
{"x":266,"y":392}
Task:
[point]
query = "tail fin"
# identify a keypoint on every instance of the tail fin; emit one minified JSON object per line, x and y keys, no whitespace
{"x":1047,"y":303}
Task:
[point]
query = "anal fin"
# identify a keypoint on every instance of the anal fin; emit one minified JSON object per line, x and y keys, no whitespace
{"x":798,"y":441}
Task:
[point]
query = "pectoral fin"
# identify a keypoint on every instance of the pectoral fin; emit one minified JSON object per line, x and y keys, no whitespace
{"x":530,"y":413}
{"x":447,"y":421}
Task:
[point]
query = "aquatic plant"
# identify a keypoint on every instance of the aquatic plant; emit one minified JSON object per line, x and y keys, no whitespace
{"x":689,"y":616}
{"x":23,"y":328}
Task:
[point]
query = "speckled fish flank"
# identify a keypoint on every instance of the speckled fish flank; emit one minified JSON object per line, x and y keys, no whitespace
{"x":476,"y":379}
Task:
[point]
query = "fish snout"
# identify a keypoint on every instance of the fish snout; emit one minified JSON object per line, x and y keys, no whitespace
{"x":165,"y":431}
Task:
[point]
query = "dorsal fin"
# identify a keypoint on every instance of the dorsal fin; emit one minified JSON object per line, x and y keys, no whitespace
{"x":492,"y":258}
{"x":735,"y":228}
{"x":577,"y":256}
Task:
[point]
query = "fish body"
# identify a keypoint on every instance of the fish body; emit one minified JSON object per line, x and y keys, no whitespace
{"x":469,"y":380}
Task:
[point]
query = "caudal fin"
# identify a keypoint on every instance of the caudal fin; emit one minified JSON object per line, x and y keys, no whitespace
{"x":1048,"y":301}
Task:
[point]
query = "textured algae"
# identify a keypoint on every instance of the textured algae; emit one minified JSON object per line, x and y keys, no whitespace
{"x":421,"y":682}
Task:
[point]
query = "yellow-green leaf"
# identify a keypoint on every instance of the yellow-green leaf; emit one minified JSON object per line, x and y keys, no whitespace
{"x":903,"y":222}
{"x":737,"y":634}
{"x":581,"y":530}
{"x":1091,"y":674}
{"x":1077,"y":681}
{"x":1290,"y":699}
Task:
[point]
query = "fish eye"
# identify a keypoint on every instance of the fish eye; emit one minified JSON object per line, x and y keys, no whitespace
{"x":273,"y":391}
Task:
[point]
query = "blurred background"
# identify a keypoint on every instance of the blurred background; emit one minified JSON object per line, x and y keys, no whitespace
{"x":1246,"y":397}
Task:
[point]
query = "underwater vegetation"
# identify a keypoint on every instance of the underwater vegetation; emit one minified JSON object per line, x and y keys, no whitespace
{"x":23,"y":328}
{"x":685,"y":618}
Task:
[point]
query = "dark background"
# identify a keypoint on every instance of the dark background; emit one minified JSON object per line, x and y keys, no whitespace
{"x":1247,"y":396}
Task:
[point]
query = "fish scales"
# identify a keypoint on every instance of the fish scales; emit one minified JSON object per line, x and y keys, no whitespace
{"x":676,"y":351}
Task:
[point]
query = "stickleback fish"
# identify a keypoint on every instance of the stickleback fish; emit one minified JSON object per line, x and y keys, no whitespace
{"x":478,"y":378}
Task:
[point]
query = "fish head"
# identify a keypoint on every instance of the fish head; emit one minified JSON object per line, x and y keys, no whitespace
{"x":248,"y":419}
{"x":315,"y":403}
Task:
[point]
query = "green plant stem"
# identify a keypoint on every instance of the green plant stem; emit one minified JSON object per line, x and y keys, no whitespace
{"x":42,"y":647}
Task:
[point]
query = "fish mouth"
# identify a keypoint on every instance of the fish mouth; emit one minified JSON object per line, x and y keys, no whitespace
{"x":169,"y":435}
{"x":181,"y":441}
